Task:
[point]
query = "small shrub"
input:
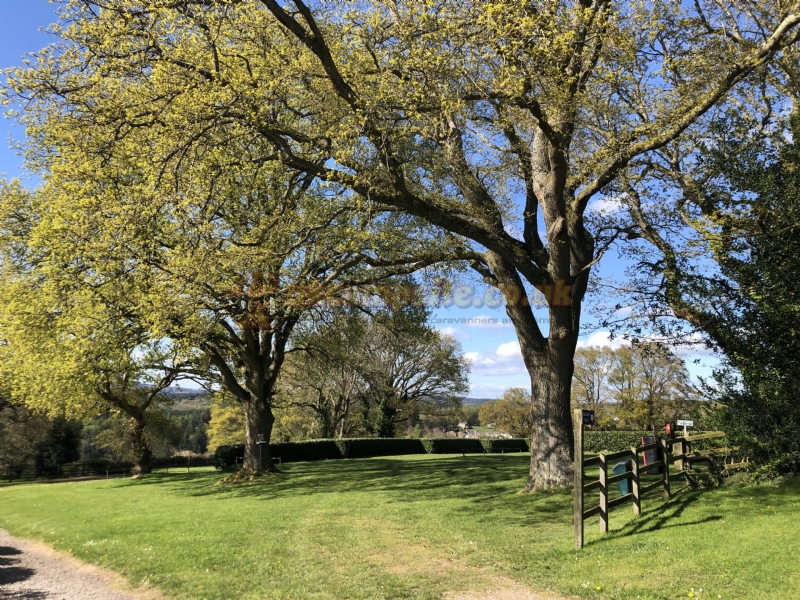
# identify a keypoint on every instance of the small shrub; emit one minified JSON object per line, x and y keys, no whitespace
{"x":227,"y":455}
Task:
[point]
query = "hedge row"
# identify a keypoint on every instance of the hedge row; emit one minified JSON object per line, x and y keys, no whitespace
{"x":612,"y":441}
{"x":367,"y":447}
{"x":616,"y":441}
{"x":310,"y":450}
{"x":593,"y":441}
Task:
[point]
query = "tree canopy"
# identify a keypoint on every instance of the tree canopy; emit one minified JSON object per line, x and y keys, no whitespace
{"x":496,"y":121}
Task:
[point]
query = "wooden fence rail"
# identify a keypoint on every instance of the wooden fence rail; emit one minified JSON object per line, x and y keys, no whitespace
{"x":682,"y":461}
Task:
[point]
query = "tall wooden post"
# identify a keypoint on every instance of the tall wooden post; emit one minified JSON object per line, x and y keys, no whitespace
{"x":637,"y":501}
{"x":679,"y":462}
{"x":603,"y":494}
{"x":665,"y":448}
{"x":577,"y":426}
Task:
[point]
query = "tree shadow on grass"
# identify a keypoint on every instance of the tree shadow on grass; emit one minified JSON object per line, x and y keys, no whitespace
{"x":480,"y":476}
{"x":664,"y":515}
{"x":482,"y":487}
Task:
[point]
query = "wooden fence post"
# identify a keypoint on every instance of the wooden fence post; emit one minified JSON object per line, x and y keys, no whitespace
{"x":577,"y":426}
{"x":603,"y":494}
{"x":637,"y":501}
{"x":665,"y":452}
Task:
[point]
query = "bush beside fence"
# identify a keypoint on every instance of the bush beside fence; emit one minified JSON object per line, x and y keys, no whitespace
{"x":612,"y":441}
{"x":619,"y":440}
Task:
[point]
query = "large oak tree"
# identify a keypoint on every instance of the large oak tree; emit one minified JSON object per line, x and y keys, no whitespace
{"x":498,"y":121}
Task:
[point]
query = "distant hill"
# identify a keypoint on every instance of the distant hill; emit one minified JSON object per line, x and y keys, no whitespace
{"x":477,"y":401}
{"x":188,"y":399}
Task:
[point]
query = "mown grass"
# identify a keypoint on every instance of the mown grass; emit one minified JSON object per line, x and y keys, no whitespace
{"x":411,"y":527}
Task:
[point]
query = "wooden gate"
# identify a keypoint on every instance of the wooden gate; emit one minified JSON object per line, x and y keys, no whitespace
{"x":684,"y":461}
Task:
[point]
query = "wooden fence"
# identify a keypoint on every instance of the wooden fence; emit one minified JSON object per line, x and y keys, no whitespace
{"x":684,"y":461}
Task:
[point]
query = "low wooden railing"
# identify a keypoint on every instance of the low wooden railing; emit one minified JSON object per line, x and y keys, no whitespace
{"x":682,"y":461}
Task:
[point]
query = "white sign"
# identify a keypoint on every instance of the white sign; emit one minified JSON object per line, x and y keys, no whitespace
{"x":685,"y":423}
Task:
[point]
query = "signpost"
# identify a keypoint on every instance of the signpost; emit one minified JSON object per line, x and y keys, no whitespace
{"x":685,"y":423}
{"x":588,"y":417}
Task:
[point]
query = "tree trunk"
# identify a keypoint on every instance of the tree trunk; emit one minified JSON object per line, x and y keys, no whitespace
{"x":141,"y":451}
{"x":258,"y":420}
{"x":552,"y":443}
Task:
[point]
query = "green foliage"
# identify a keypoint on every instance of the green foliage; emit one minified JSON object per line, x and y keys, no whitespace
{"x":510,"y":414}
{"x":226,"y":426}
{"x":21,"y":432}
{"x":61,"y":445}
{"x":612,"y":441}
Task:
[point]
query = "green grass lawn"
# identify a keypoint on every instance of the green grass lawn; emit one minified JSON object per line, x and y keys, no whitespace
{"x":411,"y":527}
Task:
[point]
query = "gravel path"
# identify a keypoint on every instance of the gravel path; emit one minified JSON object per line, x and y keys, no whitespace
{"x":34,"y":571}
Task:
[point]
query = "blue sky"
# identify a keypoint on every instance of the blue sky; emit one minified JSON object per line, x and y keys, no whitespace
{"x":485,"y":333}
{"x":19,"y":34}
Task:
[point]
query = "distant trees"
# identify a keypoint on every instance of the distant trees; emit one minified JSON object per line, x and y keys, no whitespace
{"x":511,"y":413}
{"x":28,"y":439}
{"x":362,"y":373}
{"x":590,"y":389}
{"x":633,"y":387}
{"x":355,"y":373}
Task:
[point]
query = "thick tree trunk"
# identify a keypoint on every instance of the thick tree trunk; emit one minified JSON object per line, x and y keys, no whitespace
{"x":552,"y":444}
{"x":143,"y":456}
{"x":258,"y":420}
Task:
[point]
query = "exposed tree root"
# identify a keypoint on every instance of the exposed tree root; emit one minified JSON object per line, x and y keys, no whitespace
{"x":242,"y":476}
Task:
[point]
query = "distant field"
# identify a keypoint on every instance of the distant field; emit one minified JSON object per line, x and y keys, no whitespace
{"x":411,"y":527}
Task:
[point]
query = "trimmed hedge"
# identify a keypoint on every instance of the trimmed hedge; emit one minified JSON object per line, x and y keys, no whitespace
{"x":498,"y":445}
{"x":612,"y":441}
{"x":616,"y":441}
{"x":367,"y":447}
{"x":452,"y":445}
{"x":305,"y":451}
{"x":593,"y":441}
{"x":227,"y":456}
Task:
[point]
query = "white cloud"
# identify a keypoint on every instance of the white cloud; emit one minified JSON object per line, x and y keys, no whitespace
{"x":510,"y":349}
{"x":606,"y":205}
{"x":505,"y":361}
{"x":623,"y":312}
{"x":455,"y":333}
{"x":603,"y":338}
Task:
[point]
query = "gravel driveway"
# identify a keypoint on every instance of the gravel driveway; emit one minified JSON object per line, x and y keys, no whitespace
{"x":34,"y":571}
